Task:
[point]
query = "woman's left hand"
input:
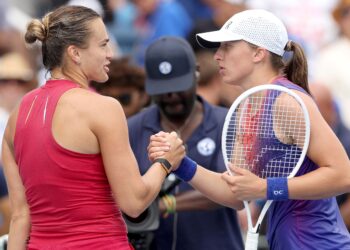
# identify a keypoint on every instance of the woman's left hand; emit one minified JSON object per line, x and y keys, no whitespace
{"x":244,"y":184}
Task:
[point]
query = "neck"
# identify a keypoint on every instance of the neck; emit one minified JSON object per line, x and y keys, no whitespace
{"x":184,"y":127}
{"x":58,"y":74}
{"x":261,"y":78}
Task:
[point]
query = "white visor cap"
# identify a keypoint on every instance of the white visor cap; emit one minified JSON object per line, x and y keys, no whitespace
{"x":258,"y":27}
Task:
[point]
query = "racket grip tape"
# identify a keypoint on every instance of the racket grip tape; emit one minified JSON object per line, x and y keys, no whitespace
{"x":187,"y":169}
{"x":252,"y":241}
{"x":277,"y":189}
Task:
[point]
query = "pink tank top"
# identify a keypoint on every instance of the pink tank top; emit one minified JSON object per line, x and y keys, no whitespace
{"x":70,"y":200}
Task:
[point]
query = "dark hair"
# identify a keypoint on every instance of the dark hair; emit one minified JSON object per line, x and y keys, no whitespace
{"x":123,"y":74}
{"x":67,"y":25}
{"x":296,"y":69}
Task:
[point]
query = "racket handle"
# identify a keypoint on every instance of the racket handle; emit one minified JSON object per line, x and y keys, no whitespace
{"x":252,"y":240}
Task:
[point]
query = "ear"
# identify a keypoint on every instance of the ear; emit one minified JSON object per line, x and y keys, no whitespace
{"x":259,"y":54}
{"x":197,"y":75}
{"x":74,"y":54}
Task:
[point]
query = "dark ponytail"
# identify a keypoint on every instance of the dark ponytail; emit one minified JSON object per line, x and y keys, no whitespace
{"x":296,"y":69}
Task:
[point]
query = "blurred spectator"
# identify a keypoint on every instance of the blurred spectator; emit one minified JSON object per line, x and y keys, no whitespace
{"x":123,"y":25}
{"x":209,"y":83}
{"x":197,"y":9}
{"x":222,"y":10}
{"x":332,"y":65}
{"x":327,"y":107}
{"x":308,"y":21}
{"x":3,"y":8}
{"x":92,"y":4}
{"x":16,"y":79}
{"x":126,"y":84}
{"x":5,"y":213}
{"x":101,"y":7}
{"x":158,"y":18}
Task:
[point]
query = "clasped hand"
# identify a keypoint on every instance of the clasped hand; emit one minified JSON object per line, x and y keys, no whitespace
{"x":168,"y":146}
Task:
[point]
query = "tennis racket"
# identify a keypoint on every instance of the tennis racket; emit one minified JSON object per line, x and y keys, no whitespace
{"x":266,"y":131}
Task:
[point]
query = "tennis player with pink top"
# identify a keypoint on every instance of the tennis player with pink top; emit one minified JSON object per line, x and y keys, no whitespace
{"x":67,"y":159}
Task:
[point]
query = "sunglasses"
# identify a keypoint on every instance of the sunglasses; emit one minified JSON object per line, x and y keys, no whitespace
{"x":124,"y":99}
{"x":345,"y":12}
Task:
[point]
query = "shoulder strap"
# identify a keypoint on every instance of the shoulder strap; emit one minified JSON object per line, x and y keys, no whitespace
{"x":290,"y":85}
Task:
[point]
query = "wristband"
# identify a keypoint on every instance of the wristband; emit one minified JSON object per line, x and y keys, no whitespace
{"x":277,"y":189}
{"x":166,"y":165}
{"x":186,"y":170}
{"x":170,"y":204}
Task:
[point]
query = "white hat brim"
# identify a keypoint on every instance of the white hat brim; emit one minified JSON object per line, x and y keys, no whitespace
{"x":213,"y":39}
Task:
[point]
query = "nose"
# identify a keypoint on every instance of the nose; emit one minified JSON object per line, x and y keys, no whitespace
{"x":109,"y":52}
{"x":172,"y":95}
{"x":218,"y":55}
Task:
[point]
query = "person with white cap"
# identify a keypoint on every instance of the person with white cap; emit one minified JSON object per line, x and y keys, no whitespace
{"x":251,"y":45}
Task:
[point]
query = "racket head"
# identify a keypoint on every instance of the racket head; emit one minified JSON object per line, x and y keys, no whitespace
{"x":266,"y":131}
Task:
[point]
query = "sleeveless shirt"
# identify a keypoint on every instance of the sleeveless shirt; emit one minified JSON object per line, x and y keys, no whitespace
{"x":306,"y":224}
{"x":70,"y":200}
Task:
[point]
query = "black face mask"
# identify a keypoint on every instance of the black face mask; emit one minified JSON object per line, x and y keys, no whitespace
{"x":176,"y":106}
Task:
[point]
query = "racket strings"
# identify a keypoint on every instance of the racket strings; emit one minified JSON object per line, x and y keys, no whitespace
{"x":265,"y":134}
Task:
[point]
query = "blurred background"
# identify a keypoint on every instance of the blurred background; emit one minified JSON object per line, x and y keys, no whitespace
{"x":322,"y":27}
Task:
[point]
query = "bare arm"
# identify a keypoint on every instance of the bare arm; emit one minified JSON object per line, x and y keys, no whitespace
{"x":212,"y":185}
{"x":330,"y":179}
{"x":133,"y":192}
{"x":333,"y":175}
{"x":207,"y":182}
{"x":20,"y":217}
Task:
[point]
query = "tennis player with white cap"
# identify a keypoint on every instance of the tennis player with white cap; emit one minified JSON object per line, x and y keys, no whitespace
{"x":250,"y":48}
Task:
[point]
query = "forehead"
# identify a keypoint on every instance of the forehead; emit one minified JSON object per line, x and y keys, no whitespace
{"x":98,"y":29}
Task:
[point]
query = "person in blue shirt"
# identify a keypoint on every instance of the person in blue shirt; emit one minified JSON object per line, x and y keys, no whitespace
{"x":190,"y":221}
{"x":157,"y":18}
{"x":5,"y":211}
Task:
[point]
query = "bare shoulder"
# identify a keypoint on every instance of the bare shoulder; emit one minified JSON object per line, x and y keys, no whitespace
{"x":90,"y":103}
{"x":308,"y":101}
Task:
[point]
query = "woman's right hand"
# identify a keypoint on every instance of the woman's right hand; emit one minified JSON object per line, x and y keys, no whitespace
{"x":168,"y":146}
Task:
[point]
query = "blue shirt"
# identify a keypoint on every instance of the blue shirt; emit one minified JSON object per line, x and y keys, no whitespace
{"x":168,"y":19}
{"x":204,"y":230}
{"x":3,"y":186}
{"x":306,"y":224}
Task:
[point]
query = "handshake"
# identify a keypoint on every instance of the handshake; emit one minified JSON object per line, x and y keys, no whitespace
{"x":169,"y":151}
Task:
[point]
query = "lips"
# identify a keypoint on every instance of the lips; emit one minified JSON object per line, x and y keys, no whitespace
{"x":106,"y":68}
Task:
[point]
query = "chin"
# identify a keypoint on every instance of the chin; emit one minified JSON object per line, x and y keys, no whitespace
{"x":101,"y":79}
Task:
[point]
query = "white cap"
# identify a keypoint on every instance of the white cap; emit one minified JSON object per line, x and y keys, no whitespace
{"x":258,"y":27}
